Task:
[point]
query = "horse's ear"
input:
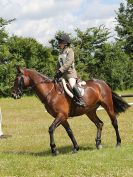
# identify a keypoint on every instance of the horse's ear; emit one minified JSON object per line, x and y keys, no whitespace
{"x":19,"y":69}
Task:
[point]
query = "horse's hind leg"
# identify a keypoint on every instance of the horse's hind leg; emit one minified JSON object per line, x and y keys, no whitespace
{"x":66,"y":125}
{"x":99,"y":124}
{"x":110,"y":110}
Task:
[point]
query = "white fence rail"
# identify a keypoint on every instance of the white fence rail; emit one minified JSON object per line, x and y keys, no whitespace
{"x":101,"y":108}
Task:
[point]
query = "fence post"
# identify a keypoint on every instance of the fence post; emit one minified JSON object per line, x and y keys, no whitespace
{"x":1,"y":132}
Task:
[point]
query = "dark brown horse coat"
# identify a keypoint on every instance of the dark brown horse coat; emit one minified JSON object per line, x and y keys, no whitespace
{"x":61,"y":106}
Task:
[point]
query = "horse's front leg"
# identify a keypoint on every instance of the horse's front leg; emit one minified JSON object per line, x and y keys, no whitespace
{"x":66,"y":125}
{"x":53,"y":126}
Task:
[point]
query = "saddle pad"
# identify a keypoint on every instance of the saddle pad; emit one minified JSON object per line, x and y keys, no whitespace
{"x":80,"y":84}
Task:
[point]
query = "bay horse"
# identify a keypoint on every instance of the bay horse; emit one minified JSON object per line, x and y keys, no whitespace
{"x":61,"y":106}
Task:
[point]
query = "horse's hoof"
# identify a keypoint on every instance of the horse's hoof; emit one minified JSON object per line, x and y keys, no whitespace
{"x":118,"y":145}
{"x":99,"y":147}
{"x":77,"y":148}
{"x":74,"y":150}
{"x":55,"y":153}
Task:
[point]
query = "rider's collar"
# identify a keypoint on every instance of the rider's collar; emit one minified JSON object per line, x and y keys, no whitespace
{"x":62,"y":50}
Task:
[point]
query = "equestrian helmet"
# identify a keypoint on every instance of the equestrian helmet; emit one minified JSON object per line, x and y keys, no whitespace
{"x":64,"y":38}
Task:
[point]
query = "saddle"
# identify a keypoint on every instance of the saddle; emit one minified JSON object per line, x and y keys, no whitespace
{"x":68,"y":89}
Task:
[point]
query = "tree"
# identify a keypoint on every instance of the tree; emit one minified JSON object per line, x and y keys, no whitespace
{"x":95,"y":57}
{"x":26,"y":52}
{"x":124,"y":30}
{"x":31,"y":54}
{"x":87,"y":45}
{"x":3,"y":38}
{"x":124,"y":27}
{"x":4,"y":56}
{"x":113,"y":66}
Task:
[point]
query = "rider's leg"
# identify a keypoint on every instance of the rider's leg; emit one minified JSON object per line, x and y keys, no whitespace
{"x":76,"y":91}
{"x":72,"y":82}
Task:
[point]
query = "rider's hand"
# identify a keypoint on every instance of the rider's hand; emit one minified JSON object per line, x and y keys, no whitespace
{"x":58,"y":75}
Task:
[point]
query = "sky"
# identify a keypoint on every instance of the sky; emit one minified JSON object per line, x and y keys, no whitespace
{"x":41,"y":19}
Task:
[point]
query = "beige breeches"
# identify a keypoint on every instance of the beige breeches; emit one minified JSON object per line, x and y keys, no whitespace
{"x":72,"y":82}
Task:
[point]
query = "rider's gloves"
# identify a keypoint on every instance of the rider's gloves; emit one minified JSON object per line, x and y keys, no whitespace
{"x":58,"y":75}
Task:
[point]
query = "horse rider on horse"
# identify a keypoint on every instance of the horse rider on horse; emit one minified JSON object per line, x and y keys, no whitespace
{"x":66,"y":68}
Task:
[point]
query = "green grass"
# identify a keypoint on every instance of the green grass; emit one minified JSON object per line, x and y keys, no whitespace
{"x":26,"y":151}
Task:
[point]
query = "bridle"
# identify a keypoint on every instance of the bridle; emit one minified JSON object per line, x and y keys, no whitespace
{"x":21,"y":85}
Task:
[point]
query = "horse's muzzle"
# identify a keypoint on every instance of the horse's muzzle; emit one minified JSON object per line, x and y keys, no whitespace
{"x":16,"y":95}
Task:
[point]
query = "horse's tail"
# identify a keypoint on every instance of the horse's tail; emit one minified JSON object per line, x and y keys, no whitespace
{"x":119,"y":104}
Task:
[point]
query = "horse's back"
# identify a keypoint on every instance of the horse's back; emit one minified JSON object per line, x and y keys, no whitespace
{"x":97,"y":89}
{"x":96,"y":83}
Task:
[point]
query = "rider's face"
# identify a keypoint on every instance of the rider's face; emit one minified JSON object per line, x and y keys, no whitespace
{"x":61,"y":44}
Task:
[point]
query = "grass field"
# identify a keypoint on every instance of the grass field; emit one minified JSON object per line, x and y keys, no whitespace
{"x":26,"y":151}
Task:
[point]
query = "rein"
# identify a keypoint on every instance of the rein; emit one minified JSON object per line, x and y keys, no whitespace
{"x":50,"y":91}
{"x":42,"y":82}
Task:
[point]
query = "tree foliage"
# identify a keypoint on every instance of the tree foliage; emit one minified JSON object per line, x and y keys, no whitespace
{"x":26,"y":52}
{"x":87,"y":45}
{"x":125,"y":26}
{"x":95,"y":56}
{"x":124,"y":30}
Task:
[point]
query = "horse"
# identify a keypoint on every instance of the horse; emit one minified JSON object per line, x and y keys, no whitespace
{"x":61,"y":107}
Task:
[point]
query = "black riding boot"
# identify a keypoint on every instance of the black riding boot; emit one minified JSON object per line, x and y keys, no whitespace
{"x":77,"y":96}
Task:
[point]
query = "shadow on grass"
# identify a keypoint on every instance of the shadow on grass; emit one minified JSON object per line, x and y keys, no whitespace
{"x":62,"y":150}
{"x":5,"y":136}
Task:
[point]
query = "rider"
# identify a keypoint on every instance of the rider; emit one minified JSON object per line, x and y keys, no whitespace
{"x":65,"y":66}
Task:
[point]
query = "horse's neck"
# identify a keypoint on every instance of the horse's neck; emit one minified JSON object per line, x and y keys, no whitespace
{"x":43,"y":91}
{"x":35,"y":78}
{"x":41,"y":86}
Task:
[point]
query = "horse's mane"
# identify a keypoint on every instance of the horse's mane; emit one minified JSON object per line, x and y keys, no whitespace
{"x":45,"y":78}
